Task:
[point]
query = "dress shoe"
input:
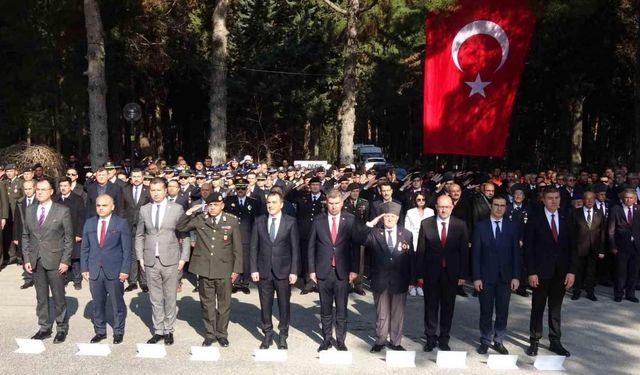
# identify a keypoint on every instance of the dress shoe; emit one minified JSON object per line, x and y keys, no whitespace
{"x":168,"y":339}
{"x":131,"y":287}
{"x":475,"y":293}
{"x":208,"y":341}
{"x":532,"y":350}
{"x":117,"y":339}
{"x":27,"y":284}
{"x":155,"y":339}
{"x":60,"y":337}
{"x":307,"y":288}
{"x":245,"y":290}
{"x":482,"y":349}
{"x":606,"y":283}
{"x":41,"y":335}
{"x":13,"y":261}
{"x":376,"y":348}
{"x":223,"y":342}
{"x":266,"y":341}
{"x":444,"y":347}
{"x":326,"y":345}
{"x":498,"y":347}
{"x":397,"y":348}
{"x":195,"y":290}
{"x":632,"y":299}
{"x":461,"y":292}
{"x":144,"y":288}
{"x":97,"y":338}
{"x":282,"y":343}
{"x":617,"y":299}
{"x":342,"y":348}
{"x":234,"y":289}
{"x":557,"y":348}
{"x":522,"y":293}
{"x":428,"y":347}
{"x":575,"y":296}
{"x":592,"y":297}
{"x":77,"y":286}
{"x":359,"y":289}
{"x":20,"y":262}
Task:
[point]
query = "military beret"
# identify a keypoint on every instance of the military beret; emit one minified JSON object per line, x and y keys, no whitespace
{"x":109,"y":165}
{"x":391,"y":208}
{"x":599,"y":188}
{"x":353,"y":186}
{"x":314,"y":180}
{"x":10,"y":166}
{"x":213,"y":197}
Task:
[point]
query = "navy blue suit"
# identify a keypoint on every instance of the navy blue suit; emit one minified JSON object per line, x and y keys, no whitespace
{"x":105,"y":264}
{"x":496,"y":261}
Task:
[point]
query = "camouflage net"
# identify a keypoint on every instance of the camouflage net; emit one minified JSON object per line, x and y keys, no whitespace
{"x":24,"y":156}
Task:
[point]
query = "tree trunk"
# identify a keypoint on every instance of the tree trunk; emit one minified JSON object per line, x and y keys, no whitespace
{"x":576,"y":111}
{"x":637,"y":89}
{"x":347,"y":111}
{"x":97,"y":86}
{"x":306,"y":151}
{"x":218,"y":84}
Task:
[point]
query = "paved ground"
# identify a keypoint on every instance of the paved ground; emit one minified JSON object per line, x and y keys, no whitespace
{"x":603,"y":337}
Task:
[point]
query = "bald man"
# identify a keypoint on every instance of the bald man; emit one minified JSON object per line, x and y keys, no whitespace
{"x":105,"y":262}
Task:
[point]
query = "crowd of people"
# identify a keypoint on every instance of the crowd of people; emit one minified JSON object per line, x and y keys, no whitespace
{"x":333,"y":231}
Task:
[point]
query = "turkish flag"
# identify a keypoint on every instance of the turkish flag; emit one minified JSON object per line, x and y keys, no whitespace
{"x":473,"y":63}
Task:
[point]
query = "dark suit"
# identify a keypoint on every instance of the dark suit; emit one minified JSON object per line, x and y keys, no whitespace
{"x":333,"y":282}
{"x":625,"y":238}
{"x":131,"y":212}
{"x":392,"y":270}
{"x":184,"y":201}
{"x":441,"y":267}
{"x":496,"y":261}
{"x":588,"y":243}
{"x":111,"y":189}
{"x":105,"y":264}
{"x":550,"y":260}
{"x":45,"y":247}
{"x":246,"y":215}
{"x":519,"y":216}
{"x":77,"y":210}
{"x":275,"y":261}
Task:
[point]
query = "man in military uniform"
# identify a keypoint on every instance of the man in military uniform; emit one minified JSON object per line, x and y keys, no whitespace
{"x":217,"y":259}
{"x":14,"y":191}
{"x":358,"y":207}
{"x":246,"y":209}
{"x":518,"y":211}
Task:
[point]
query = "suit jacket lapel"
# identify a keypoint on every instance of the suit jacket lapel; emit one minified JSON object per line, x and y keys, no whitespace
{"x":48,"y":218}
{"x":281,"y":229}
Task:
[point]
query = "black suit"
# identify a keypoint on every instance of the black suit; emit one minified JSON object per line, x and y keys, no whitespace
{"x":77,"y":210}
{"x":113,"y":190}
{"x":131,"y":213}
{"x":246,"y":215}
{"x":441,"y":267}
{"x":588,"y":244}
{"x":550,"y":260}
{"x":625,"y":238}
{"x":333,"y":282}
{"x":183,"y":200}
{"x":275,"y":261}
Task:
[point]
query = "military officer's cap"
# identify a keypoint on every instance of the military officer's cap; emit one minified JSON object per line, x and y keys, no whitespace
{"x":599,"y":188}
{"x":353,"y":186}
{"x":109,"y":165}
{"x":148,"y":176}
{"x":229,"y":175}
{"x":10,"y":166}
{"x":216,"y":176}
{"x":201,"y":175}
{"x":272,"y":170}
{"x":184,"y":174}
{"x":261,"y":176}
{"x":241,"y":183}
{"x":213,"y":197}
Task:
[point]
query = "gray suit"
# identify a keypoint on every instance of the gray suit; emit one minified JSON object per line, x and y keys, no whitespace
{"x":162,"y":269}
{"x":45,"y":247}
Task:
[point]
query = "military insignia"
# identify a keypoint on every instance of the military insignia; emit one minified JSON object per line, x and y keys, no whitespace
{"x":233,"y":204}
{"x":224,"y":218}
{"x":225,"y":237}
{"x":249,"y":207}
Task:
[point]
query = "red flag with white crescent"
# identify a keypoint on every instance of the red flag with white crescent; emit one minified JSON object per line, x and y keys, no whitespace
{"x":473,"y":63}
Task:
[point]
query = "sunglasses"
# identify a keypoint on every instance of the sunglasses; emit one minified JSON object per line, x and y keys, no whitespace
{"x":182,"y":178}
{"x":419,"y":200}
{"x":241,"y":188}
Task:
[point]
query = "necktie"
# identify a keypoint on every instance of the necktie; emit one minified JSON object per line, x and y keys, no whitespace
{"x":136,"y":191}
{"x":389,"y":241}
{"x":443,"y":242}
{"x":589,"y":218}
{"x":629,"y":216}
{"x":272,"y":229}
{"x":157,"y":223}
{"x":214,"y":221}
{"x":334,"y":237}
{"x":313,"y":199}
{"x":241,"y":203}
{"x":41,"y":219}
{"x":28,"y":202}
{"x":554,"y":228}
{"x":103,"y":232}
{"x":498,"y":231}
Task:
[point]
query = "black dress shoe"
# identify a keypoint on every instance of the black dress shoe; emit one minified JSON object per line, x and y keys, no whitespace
{"x":326,"y":345}
{"x":482,"y":349}
{"x":397,"y":348}
{"x":41,"y":335}
{"x":282,"y":343}
{"x":428,"y":347}
{"x":117,"y":339}
{"x":498,"y":347}
{"x":131,"y":287}
{"x":245,"y":290}
{"x":522,"y":293}
{"x":444,"y":347}
{"x":617,"y":299}
{"x":77,"y":286}
{"x":97,"y":338}
{"x":195,"y":290}
{"x":376,"y":348}
{"x":60,"y":337}
{"x":223,"y":342}
{"x":592,"y":297}
{"x":358,"y":289}
{"x":208,"y":342}
{"x":632,"y":299}
{"x":234,"y":289}
{"x":461,"y":292}
{"x":266,"y":341}
{"x":342,"y":348}
{"x":475,"y":293}
{"x":532,"y":350}
{"x":557,"y":348}
{"x":144,"y":288}
{"x":308,"y":288}
{"x":575,"y":296}
{"x":27,"y":284}
{"x":606,"y":283}
{"x":168,"y":339}
{"x":155,"y":339}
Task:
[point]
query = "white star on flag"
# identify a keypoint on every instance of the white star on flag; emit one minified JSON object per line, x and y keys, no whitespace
{"x":477,"y":86}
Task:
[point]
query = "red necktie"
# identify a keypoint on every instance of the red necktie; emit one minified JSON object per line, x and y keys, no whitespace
{"x":103,"y":232}
{"x":554,"y":229}
{"x":629,"y":216}
{"x":334,"y":236}
{"x":443,"y":242}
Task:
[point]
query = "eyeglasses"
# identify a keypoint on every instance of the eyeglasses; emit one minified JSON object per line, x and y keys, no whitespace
{"x":71,"y":174}
{"x":420,"y":200}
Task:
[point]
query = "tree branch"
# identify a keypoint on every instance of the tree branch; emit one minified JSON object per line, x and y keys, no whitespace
{"x":368,"y":8}
{"x":336,"y":7}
